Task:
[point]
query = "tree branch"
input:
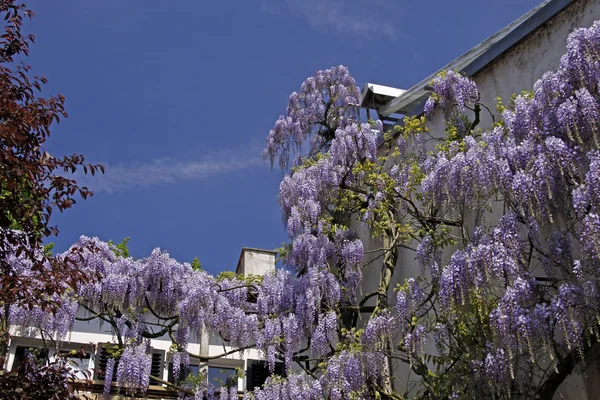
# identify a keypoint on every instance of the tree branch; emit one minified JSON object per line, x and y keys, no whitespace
{"x":207,"y":358}
{"x":172,"y":386}
{"x":565,"y":367}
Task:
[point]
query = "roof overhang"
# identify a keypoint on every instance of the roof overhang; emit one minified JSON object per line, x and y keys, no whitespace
{"x":412,"y":100}
{"x":374,"y":96}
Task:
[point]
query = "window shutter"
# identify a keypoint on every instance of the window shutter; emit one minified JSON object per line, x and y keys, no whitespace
{"x":157,"y":365}
{"x":101,"y":360}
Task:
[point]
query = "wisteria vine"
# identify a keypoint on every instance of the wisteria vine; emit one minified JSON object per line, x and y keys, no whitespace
{"x":503,"y":223}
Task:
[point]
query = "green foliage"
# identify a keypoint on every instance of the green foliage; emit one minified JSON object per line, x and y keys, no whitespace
{"x":48,"y":249}
{"x":226,"y":275}
{"x":283,"y":251}
{"x":197,"y":380}
{"x":248,"y":279}
{"x":413,"y":126}
{"x":196,"y":266}
{"x":120,"y":249}
{"x":527,"y":94}
{"x":26,"y":198}
{"x":239,"y":372}
{"x":40,"y":355}
{"x":500,"y":107}
{"x":113,"y":350}
{"x":351,"y":340}
{"x":307,"y":162}
{"x":253,"y":279}
{"x":441,"y":235}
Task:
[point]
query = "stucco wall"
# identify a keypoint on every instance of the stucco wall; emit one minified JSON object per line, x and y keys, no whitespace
{"x":516,"y":70}
{"x":256,"y":262}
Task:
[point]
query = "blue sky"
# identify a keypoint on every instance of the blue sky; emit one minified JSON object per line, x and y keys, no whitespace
{"x":176,"y":99}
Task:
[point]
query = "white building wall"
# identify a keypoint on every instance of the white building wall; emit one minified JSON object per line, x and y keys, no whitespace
{"x":516,"y":70}
{"x":255,"y":261}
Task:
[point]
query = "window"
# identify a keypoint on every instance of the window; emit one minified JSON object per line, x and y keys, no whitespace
{"x":183,"y":372}
{"x":157,"y":364}
{"x":258,"y":372}
{"x":215,"y":340}
{"x":103,"y":355}
{"x":220,"y":377}
{"x":101,"y":361}
{"x":40,"y":355}
{"x":79,"y":362}
{"x":81,"y":366}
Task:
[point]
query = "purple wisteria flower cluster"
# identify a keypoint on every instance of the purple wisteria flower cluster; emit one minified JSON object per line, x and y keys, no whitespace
{"x":453,"y":94}
{"x":135,"y":363}
{"x":326,"y":102}
{"x":533,"y":275}
{"x":504,"y":225}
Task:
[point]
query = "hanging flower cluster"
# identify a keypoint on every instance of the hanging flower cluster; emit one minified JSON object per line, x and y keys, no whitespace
{"x":504,"y":224}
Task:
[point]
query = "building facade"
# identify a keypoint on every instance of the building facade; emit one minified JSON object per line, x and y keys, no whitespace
{"x":507,"y":63}
{"x":222,"y":365}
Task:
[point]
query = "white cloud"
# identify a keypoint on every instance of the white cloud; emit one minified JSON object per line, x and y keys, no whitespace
{"x":360,"y":18}
{"x":136,"y":175}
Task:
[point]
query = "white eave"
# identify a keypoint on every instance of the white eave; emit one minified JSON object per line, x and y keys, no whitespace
{"x":374,"y":96}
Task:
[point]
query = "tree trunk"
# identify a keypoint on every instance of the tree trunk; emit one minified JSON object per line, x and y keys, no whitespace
{"x":390,"y":259}
{"x":566,"y":367}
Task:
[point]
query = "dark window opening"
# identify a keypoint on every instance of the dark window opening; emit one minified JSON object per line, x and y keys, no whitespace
{"x":157,"y":365}
{"x":219,"y":377}
{"x":183,"y":372}
{"x":258,"y":372}
{"x":40,"y":356}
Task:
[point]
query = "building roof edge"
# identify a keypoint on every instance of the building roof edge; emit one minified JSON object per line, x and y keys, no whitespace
{"x":479,"y":56}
